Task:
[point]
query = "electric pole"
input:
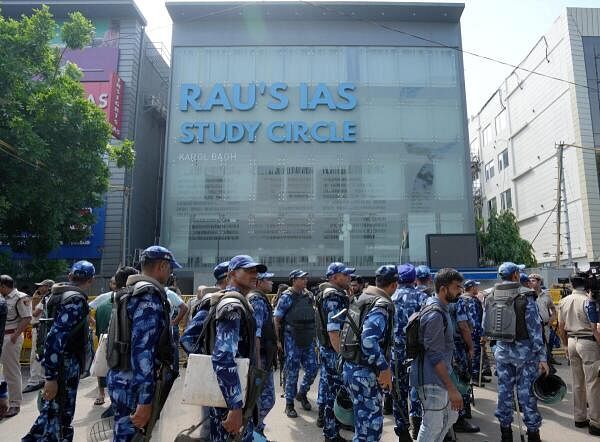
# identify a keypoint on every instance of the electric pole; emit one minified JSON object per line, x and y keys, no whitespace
{"x":560,"y":147}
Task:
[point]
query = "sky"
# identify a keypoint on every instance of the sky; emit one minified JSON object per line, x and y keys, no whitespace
{"x":501,"y":29}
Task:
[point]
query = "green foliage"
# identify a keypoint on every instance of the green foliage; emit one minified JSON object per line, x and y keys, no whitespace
{"x":78,"y":32}
{"x":33,"y":270}
{"x":52,"y":140}
{"x":123,"y":154}
{"x":500,"y":240}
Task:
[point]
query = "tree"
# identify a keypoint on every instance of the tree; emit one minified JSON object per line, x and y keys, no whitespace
{"x":500,"y":240}
{"x":53,"y":142}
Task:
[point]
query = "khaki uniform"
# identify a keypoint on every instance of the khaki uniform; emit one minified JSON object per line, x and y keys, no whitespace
{"x":36,"y":371}
{"x":19,"y":308}
{"x":584,"y":351}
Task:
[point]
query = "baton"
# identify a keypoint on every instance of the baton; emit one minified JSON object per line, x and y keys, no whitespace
{"x":481,"y":350}
{"x":519,"y":420}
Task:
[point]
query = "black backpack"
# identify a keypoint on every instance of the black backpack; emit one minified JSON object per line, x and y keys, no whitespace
{"x":414,"y":340}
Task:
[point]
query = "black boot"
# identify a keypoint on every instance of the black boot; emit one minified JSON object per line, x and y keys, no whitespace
{"x":464,"y":426}
{"x":404,"y":436}
{"x":415,"y":426}
{"x":506,"y":434}
{"x":290,"y":411}
{"x":321,"y":417}
{"x":533,"y":436}
{"x":468,"y":414}
{"x":303,"y":401}
{"x":338,"y":438}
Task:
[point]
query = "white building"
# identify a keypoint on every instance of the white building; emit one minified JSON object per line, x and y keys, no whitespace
{"x":514,"y":137}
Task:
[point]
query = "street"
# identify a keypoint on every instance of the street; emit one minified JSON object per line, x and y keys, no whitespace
{"x":557,"y":426}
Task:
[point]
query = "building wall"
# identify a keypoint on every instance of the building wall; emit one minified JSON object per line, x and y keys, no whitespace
{"x":542,"y":112}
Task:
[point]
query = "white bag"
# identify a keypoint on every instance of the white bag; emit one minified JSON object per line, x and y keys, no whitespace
{"x":200,"y":386}
{"x":99,"y":367}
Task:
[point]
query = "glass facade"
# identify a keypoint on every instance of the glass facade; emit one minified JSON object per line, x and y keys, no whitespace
{"x":367,"y":199}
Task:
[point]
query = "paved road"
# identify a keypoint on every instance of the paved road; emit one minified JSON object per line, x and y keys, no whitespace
{"x":557,"y":419}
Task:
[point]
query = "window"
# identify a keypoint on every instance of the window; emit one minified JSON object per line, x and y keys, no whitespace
{"x":503,"y":160}
{"x":489,"y":171}
{"x":506,"y":200}
{"x":501,"y":123}
{"x":492,"y":206}
{"x":487,"y":135}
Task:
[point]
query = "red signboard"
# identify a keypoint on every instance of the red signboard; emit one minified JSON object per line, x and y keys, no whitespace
{"x":107,"y":95}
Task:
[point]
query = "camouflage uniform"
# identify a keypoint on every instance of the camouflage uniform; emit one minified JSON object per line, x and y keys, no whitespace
{"x":361,"y":381}
{"x":517,"y":362}
{"x":475,"y":314}
{"x":130,"y":388}
{"x":331,"y":306}
{"x":267,"y":397}
{"x":460,"y":361}
{"x":228,"y":334}
{"x":407,"y":300}
{"x":56,"y":416}
{"x":295,"y":356}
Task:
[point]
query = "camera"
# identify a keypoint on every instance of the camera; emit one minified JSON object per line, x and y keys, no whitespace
{"x":592,"y":281}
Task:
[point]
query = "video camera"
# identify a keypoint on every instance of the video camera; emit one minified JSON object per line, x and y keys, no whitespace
{"x":592,"y":281}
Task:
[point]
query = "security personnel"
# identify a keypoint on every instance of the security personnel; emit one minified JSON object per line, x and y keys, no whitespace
{"x":366,"y":367}
{"x":234,"y":337}
{"x":132,"y":383}
{"x":474,"y":311}
{"x":17,"y":320}
{"x":64,"y":339}
{"x":463,"y":355}
{"x":519,"y":356}
{"x":424,"y":280}
{"x":265,"y":332}
{"x":407,"y":300}
{"x":295,"y":312}
{"x":577,"y":325}
{"x":3,"y":385}
{"x":331,"y":300}
{"x":220,"y":274}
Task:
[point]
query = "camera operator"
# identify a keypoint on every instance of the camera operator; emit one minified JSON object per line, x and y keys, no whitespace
{"x":578,"y":330}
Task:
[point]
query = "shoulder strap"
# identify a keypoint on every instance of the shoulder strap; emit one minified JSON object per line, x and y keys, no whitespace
{"x":434,"y":308}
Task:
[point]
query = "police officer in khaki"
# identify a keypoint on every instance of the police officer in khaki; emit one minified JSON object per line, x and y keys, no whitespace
{"x":17,"y":320}
{"x":577,"y":328}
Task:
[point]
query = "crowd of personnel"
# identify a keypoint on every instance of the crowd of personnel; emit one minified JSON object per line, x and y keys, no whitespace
{"x":412,"y":345}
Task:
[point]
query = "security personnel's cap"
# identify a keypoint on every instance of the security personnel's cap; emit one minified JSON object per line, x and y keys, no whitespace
{"x":83,"y":270}
{"x":423,"y":272}
{"x":298,"y":273}
{"x":387,"y":273}
{"x":246,"y":262}
{"x":45,"y":282}
{"x":265,"y":275}
{"x":508,"y":268}
{"x":406,"y":273}
{"x":338,"y":267}
{"x":220,"y":271}
{"x":154,"y":253}
{"x":470,"y":283}
{"x":523,"y":278}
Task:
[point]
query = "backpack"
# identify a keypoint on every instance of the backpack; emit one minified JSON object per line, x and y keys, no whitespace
{"x":414,"y":340}
{"x":504,"y":318}
{"x":325,"y":290}
{"x":118,"y":347}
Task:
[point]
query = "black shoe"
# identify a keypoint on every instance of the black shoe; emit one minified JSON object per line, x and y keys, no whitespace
{"x":487,"y":372}
{"x":12,"y":411}
{"x":464,"y":426}
{"x":594,"y":431}
{"x":290,"y":411}
{"x":338,"y":438}
{"x":34,"y":387}
{"x":507,"y":435}
{"x":582,"y":424}
{"x":321,"y":417}
{"x":415,"y":426}
{"x":303,"y":401}
{"x":388,"y":407}
{"x":533,"y":436}
{"x":404,"y":436}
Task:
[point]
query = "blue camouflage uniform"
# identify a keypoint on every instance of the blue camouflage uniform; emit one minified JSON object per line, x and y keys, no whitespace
{"x":460,"y":360}
{"x":267,"y":397}
{"x":332,"y":305}
{"x":517,"y":362}
{"x":56,"y":416}
{"x":407,"y":300}
{"x":295,"y":356}
{"x":592,"y":309}
{"x":361,"y":380}
{"x":191,"y":334}
{"x":130,"y":388}
{"x":227,"y":337}
{"x":475,"y":313}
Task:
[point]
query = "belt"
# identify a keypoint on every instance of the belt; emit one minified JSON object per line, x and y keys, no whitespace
{"x":587,"y":338}
{"x":10,"y":331}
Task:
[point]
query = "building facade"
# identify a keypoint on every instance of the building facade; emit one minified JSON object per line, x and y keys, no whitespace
{"x":308,"y":133}
{"x":127,"y":76}
{"x":514,"y":140}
